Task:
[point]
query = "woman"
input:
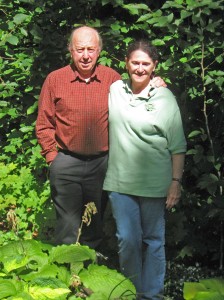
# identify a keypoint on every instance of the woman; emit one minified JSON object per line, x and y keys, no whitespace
{"x":146,"y":159}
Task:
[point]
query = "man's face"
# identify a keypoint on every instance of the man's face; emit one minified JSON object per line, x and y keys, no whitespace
{"x":85,"y":51}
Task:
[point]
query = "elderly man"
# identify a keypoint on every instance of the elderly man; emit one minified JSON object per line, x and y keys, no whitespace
{"x":72,"y":129}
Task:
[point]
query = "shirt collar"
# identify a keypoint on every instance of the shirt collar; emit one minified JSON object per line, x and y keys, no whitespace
{"x":76,"y":76}
{"x":145,"y":94}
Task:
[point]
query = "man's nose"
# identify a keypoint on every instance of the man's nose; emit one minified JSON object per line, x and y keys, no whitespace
{"x":85,"y":53}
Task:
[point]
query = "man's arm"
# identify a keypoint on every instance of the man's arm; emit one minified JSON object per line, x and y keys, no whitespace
{"x":157,"y":82}
{"x":45,"y":124}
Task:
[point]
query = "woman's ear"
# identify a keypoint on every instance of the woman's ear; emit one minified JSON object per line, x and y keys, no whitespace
{"x":156,"y":63}
{"x":126,"y":61}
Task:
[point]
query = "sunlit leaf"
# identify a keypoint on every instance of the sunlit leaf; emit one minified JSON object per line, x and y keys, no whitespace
{"x":12,"y":39}
{"x":19,"y":18}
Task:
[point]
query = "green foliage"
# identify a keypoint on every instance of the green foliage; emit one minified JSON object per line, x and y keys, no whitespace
{"x":23,"y":195}
{"x":188,"y":34}
{"x":33,"y":270}
{"x":210,"y":289}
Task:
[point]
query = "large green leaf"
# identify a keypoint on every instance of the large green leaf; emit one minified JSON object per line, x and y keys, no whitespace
{"x":15,"y":262}
{"x":19,"y":254}
{"x":215,"y":284}
{"x":110,"y":283}
{"x":21,"y":296}
{"x":211,"y":295}
{"x":71,"y":254}
{"x":10,"y":287}
{"x":191,"y":289}
{"x":44,"y":288}
{"x":6,"y":289}
{"x":207,"y":289}
{"x":43,"y":271}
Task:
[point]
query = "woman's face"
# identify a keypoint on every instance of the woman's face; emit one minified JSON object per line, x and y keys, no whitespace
{"x":140,"y":67}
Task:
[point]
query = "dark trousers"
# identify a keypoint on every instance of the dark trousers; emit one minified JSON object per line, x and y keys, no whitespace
{"x":75,"y":182}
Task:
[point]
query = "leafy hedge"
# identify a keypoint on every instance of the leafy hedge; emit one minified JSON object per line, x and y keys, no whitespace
{"x":189,"y":36}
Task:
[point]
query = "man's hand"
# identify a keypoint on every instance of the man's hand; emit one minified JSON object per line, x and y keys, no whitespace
{"x":157,"y":82}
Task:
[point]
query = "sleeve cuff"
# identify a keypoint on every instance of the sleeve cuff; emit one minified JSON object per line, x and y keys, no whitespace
{"x":50,"y":156}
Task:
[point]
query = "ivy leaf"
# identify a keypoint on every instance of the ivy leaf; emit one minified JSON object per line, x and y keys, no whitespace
{"x":19,"y":18}
{"x":145,"y":17}
{"x":185,"y":14}
{"x":134,"y":8}
{"x":209,"y":80}
{"x":3,"y":103}
{"x":6,"y":72}
{"x":105,"y":61}
{"x":208,"y":182}
{"x":12,"y":112}
{"x":12,"y":39}
{"x":186,"y":251}
{"x":158,"y":42}
{"x":172,"y":4}
{"x":163,"y":20}
{"x":32,"y":108}
{"x":36,"y":32}
{"x":26,"y":129}
{"x":24,"y":32}
{"x":194,"y":133}
{"x":219,"y":58}
{"x":104,"y":2}
{"x":115,"y":26}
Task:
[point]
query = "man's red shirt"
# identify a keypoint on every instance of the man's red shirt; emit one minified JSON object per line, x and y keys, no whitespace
{"x":73,"y":113}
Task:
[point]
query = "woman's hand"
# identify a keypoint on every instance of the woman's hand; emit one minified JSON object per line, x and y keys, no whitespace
{"x":173,"y":195}
{"x":174,"y":191}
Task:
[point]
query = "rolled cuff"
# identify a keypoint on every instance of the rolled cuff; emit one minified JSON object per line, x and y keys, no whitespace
{"x":50,"y":156}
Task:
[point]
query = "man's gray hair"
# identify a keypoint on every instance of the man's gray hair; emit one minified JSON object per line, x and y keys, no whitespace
{"x":88,"y":27}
